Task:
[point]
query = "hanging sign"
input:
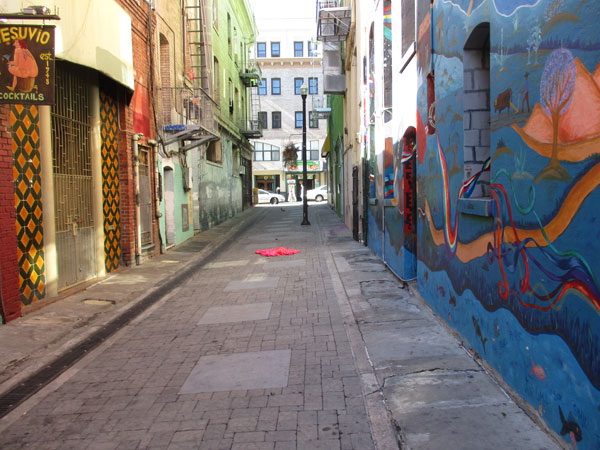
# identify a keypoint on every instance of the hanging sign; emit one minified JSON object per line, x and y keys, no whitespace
{"x":27,"y":64}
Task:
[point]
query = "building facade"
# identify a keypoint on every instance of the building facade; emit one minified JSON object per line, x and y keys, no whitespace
{"x":289,"y":57}
{"x":478,"y":140}
{"x":73,"y":168}
{"x":207,"y":116}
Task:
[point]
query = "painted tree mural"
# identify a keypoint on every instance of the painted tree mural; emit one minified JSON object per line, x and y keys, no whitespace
{"x":556,"y":92}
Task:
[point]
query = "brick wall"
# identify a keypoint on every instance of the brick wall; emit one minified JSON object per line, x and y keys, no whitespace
{"x":476,"y":117}
{"x":139,"y":13}
{"x":9,"y":266}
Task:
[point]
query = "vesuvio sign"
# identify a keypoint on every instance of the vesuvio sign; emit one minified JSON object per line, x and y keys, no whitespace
{"x":27,"y":64}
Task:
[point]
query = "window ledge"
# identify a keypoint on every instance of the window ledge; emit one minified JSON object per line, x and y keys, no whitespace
{"x":483,"y":206}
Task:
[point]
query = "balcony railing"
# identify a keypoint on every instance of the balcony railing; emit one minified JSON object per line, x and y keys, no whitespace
{"x":333,"y":21}
{"x":253,"y":129}
{"x":251,"y":75}
{"x":321,"y":106}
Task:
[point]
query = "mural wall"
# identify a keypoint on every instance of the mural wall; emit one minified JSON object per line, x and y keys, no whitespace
{"x":515,"y":270}
{"x":390,"y":141}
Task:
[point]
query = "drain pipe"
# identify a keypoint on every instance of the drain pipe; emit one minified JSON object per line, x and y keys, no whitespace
{"x":136,"y":175}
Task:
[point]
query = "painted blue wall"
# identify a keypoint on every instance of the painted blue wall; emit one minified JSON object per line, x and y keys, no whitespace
{"x":521,"y":286}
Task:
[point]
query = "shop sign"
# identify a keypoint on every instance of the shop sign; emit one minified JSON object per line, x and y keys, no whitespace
{"x":27,"y":64}
{"x":314,"y":166}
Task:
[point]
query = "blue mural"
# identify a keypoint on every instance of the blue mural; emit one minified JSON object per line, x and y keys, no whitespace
{"x":520,"y":280}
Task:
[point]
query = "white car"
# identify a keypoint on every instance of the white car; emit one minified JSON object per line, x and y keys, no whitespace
{"x":319,"y":194}
{"x":269,"y":197}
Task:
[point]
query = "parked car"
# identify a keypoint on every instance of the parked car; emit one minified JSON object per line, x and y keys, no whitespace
{"x":319,"y":194}
{"x":269,"y":197}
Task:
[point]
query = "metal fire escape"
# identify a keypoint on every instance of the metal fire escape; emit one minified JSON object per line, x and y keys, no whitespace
{"x":333,"y":26}
{"x":251,"y":76}
{"x":333,"y":21}
{"x":198,"y":104}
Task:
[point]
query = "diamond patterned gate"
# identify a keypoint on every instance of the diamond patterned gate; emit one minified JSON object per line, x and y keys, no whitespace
{"x":28,"y":202}
{"x":110,"y":182}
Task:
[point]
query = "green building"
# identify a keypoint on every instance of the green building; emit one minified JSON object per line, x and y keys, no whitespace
{"x":207,"y":117}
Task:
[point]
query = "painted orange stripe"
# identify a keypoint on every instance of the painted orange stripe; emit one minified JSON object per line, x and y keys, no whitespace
{"x":570,"y":206}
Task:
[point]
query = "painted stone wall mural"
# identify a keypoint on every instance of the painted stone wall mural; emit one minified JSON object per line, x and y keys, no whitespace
{"x":516,"y":271}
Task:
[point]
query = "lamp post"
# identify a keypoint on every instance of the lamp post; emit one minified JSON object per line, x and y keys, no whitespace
{"x":303,"y":93}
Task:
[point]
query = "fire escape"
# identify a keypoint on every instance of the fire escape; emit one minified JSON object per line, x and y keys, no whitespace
{"x":251,"y":76}
{"x":333,"y":26}
{"x":196,"y":124}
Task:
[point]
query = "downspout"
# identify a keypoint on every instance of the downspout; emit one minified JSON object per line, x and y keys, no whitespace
{"x":136,"y":176}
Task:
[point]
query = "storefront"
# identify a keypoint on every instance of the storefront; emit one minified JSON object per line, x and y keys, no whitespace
{"x":316,"y":176}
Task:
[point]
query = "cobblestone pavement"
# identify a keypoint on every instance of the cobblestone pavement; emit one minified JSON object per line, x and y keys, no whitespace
{"x":126,"y":394}
{"x":324,"y":349}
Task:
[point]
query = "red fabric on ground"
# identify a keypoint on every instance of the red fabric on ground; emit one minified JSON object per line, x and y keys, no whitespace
{"x":279,"y":251}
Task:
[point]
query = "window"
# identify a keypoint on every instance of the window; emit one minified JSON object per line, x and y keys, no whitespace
{"x":313,"y":86}
{"x":262,"y":87}
{"x":262,"y":120}
{"x":313,"y":122}
{"x":231,"y":106}
{"x":299,"y":119}
{"x":298,"y":49}
{"x":311,"y":48}
{"x":476,"y":109}
{"x":265,"y":152}
{"x":276,"y":86}
{"x":261,"y":49}
{"x":215,"y":14}
{"x":298,"y":82}
{"x":237,"y":99}
{"x":275,"y":49}
{"x":229,"y":36}
{"x":312,"y":151}
{"x":276,"y":119}
{"x":216,"y":80}
{"x":213,"y":152}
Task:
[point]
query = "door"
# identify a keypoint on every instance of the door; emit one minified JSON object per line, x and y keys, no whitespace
{"x":72,"y":170}
{"x":145,"y":195}
{"x":169,"y":207}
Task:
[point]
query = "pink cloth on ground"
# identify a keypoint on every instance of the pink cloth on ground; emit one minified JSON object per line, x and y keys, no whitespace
{"x":279,"y":251}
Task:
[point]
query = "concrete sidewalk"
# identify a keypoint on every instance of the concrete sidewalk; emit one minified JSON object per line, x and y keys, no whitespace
{"x":323,"y":349}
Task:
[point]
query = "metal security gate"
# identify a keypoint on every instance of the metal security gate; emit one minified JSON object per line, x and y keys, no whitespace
{"x":71,"y":131}
{"x":145,"y":196}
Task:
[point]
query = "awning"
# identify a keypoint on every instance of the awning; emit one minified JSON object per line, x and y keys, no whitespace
{"x":326,"y":146}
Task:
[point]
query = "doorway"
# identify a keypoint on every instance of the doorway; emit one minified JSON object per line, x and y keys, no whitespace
{"x":72,"y":172}
{"x":169,"y":207}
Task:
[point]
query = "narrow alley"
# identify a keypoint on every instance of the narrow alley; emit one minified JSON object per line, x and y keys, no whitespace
{"x":324,"y":349}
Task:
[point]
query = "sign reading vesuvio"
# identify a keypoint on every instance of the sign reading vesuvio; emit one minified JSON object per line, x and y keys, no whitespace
{"x":27,"y":64}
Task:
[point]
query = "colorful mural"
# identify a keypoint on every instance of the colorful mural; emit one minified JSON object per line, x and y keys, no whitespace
{"x":522,"y":283}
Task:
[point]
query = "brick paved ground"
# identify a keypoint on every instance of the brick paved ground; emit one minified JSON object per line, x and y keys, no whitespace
{"x":333,"y":349}
{"x":126,"y":394}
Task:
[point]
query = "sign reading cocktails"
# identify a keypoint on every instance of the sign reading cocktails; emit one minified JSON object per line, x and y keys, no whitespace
{"x":27,"y":64}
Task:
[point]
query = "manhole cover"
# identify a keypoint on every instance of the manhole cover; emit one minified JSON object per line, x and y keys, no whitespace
{"x":98,"y":302}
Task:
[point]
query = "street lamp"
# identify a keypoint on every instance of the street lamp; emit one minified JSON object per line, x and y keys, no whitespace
{"x":303,"y":93}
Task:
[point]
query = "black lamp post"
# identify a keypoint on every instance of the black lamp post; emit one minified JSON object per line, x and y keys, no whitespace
{"x":303,"y":93}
